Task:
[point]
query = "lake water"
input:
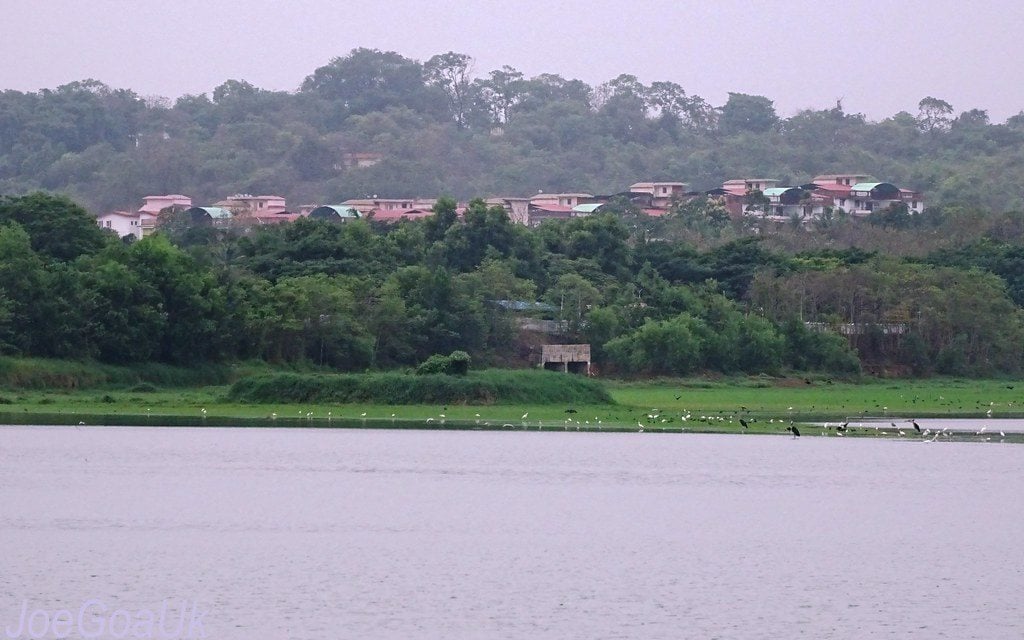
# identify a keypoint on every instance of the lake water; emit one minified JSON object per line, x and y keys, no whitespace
{"x":325,"y":534}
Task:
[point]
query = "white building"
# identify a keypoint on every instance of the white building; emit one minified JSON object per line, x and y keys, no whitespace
{"x":867,"y":197}
{"x":126,"y":223}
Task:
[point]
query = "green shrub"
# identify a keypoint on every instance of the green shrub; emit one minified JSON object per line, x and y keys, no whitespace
{"x":493,"y":386}
{"x":435,"y":364}
{"x":454,"y":364}
{"x":42,"y":373}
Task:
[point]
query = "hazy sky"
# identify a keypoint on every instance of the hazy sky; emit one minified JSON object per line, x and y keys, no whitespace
{"x":878,"y":57}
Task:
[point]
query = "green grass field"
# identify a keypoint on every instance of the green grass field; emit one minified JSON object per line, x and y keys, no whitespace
{"x":821,"y":399}
{"x":709,"y":405}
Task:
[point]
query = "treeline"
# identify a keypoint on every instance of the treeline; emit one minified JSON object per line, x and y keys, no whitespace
{"x":358,"y":296}
{"x":440,"y":127}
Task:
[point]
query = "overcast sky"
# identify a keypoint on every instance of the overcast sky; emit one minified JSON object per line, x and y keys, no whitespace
{"x":878,"y":57}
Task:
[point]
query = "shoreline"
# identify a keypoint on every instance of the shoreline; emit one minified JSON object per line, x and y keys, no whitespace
{"x":814,"y":428}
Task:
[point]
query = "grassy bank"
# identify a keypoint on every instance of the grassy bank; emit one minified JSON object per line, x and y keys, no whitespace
{"x":768,"y":405}
{"x":826,"y":399}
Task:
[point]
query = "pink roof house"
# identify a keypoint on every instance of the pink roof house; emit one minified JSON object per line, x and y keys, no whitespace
{"x":155,"y":204}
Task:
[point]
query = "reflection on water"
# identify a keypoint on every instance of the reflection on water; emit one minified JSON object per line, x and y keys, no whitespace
{"x":384,"y":534}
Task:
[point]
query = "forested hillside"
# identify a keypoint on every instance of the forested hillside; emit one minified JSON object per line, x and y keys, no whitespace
{"x":442,"y":127}
{"x":357,"y":295}
{"x":693,"y":290}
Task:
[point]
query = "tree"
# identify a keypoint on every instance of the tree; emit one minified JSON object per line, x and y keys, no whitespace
{"x":22,"y":279}
{"x":317,"y":320}
{"x":573,"y":295}
{"x":495,"y":285}
{"x":666,"y":347}
{"x":622,"y":106}
{"x":368,"y":80}
{"x":450,"y":72}
{"x":58,"y":228}
{"x":503,"y":91}
{"x":125,"y":315}
{"x":445,"y":215}
{"x":934,"y":114}
{"x":668,"y":98}
{"x":189,"y":297}
{"x":486,"y":231}
{"x":549,"y":88}
{"x":747,"y":113}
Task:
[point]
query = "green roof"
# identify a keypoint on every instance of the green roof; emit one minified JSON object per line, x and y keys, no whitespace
{"x":776,"y":191}
{"x":217,"y":213}
{"x":343,"y":211}
{"x":587,"y":208}
{"x":865,"y":186}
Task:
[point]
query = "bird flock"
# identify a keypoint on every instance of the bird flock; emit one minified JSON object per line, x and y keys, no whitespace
{"x":741,"y":420}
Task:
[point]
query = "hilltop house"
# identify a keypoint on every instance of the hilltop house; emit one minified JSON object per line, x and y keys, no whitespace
{"x":242,"y":204}
{"x":844,"y":179}
{"x":156,"y":205}
{"x":663,"y":194}
{"x":518,"y":209}
{"x":867,"y":197}
{"x":123,"y":223}
{"x":366,"y":206}
{"x":733,"y":194}
{"x":142,"y":222}
{"x":857,"y":194}
{"x":396,"y":215}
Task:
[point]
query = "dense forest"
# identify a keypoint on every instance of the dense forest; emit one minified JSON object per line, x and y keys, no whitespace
{"x":356,"y":296}
{"x":441,"y":130}
{"x":939,"y":292}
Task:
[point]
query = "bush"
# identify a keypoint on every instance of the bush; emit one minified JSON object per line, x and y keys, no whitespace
{"x":456,"y":364}
{"x":434,"y":365}
{"x":494,"y":386}
{"x":42,"y":373}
